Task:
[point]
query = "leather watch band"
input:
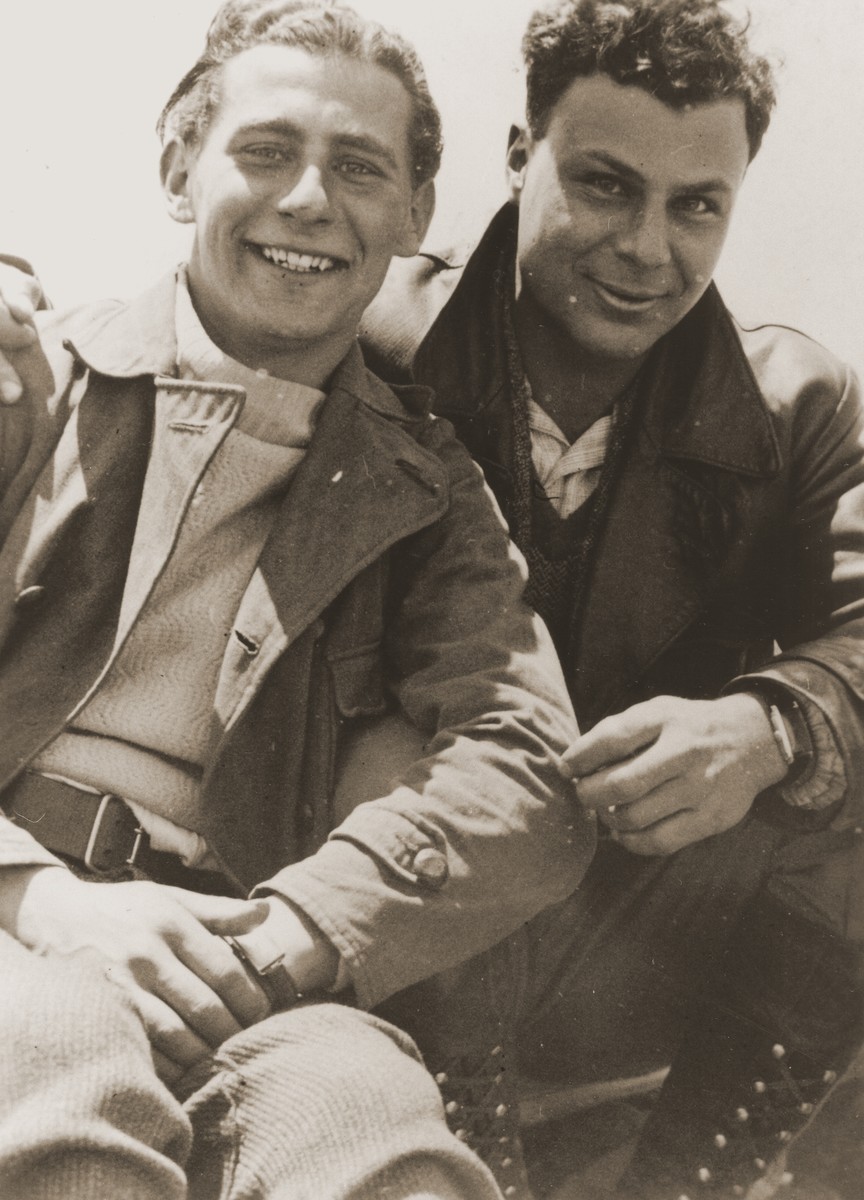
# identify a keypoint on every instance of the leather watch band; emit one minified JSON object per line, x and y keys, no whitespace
{"x":263,"y":958}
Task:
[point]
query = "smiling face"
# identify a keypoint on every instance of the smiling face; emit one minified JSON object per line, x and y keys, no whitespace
{"x":301,"y":193}
{"x":624,"y":205}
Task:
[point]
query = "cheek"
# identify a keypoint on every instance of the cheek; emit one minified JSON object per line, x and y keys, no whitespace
{"x":697,"y":258}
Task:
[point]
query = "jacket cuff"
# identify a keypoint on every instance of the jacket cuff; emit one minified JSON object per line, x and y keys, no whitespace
{"x":308,"y":886}
{"x":824,"y":783}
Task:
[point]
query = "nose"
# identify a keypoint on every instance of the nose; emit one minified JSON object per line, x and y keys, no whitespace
{"x":645,"y":239}
{"x":307,"y":197}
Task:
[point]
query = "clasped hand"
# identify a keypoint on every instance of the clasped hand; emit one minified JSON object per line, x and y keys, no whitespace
{"x":165,"y":947}
{"x":669,"y":772}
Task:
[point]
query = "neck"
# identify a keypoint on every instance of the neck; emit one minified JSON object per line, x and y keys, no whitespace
{"x":296,"y":362}
{"x":573,"y":387}
{"x":311,"y":362}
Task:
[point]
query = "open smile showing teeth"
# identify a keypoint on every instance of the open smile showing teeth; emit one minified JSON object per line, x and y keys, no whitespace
{"x":303,"y":264}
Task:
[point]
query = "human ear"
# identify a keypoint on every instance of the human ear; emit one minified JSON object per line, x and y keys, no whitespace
{"x":418,"y":220}
{"x":518,"y":153}
{"x":174,"y":173}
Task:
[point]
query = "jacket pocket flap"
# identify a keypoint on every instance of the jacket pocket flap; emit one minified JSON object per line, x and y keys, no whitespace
{"x":358,"y":683}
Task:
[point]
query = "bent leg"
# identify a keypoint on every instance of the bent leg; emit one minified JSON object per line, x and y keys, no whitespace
{"x":778,"y":1024}
{"x":326,"y":1101}
{"x":82,"y":1113}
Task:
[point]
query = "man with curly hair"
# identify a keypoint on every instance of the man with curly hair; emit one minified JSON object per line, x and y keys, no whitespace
{"x":689,"y":496}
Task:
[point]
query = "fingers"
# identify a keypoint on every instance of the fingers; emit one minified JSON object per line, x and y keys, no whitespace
{"x":11,"y":389}
{"x":19,"y":295}
{"x":168,"y":1071}
{"x":214,"y":963}
{"x":221,"y":997}
{"x":204,"y":996}
{"x":616,"y":738}
{"x":627,"y":782}
{"x":177,"y":1046}
{"x":222,"y":914}
{"x":670,"y":834}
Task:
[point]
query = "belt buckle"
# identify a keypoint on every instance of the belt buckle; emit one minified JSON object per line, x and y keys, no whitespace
{"x":109,"y":824}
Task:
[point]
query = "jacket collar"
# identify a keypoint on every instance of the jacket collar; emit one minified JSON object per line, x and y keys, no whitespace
{"x":123,"y":341}
{"x":705,"y":404}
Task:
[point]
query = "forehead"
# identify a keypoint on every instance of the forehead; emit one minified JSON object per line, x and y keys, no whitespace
{"x":329,"y":95}
{"x":665,"y":145}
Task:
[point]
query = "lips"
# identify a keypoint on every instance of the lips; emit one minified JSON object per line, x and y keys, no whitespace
{"x":299,"y":262}
{"x":625,"y":299}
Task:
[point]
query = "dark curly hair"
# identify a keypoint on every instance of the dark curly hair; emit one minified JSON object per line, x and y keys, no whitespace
{"x":681,"y":51}
{"x":321,"y":27}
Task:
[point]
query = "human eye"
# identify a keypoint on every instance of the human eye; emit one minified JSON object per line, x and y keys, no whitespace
{"x":697,"y":206}
{"x":603,"y":186}
{"x":265,"y":154}
{"x":357,"y":168}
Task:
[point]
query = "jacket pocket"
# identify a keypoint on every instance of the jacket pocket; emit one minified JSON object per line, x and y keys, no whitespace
{"x":358,"y":682}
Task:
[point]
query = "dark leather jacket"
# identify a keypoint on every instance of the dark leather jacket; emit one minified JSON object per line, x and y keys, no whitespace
{"x":734,"y":541}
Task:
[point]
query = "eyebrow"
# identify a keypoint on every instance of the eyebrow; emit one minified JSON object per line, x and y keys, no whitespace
{"x":350,"y":141}
{"x":628,"y":172}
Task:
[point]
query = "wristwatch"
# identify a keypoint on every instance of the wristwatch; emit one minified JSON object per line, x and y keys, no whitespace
{"x":264,"y":960}
{"x":791,"y":733}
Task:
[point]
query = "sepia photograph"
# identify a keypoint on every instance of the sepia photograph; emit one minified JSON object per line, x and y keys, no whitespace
{"x":432,"y":600}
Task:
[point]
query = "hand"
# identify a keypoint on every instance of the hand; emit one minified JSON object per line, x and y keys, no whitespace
{"x":670,"y":772}
{"x":19,"y":295}
{"x":188,"y":986}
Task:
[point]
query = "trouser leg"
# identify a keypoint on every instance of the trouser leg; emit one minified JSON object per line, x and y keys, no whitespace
{"x":765,"y":1042}
{"x":326,"y":1103}
{"x":759,"y":1053}
{"x":82,"y":1114}
{"x":709,"y":959}
{"x":318,"y":1103}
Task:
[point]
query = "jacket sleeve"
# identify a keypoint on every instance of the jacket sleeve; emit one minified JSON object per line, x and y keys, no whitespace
{"x":482,"y":831}
{"x":821,"y":634}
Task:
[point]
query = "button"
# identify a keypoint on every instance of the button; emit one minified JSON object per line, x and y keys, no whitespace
{"x":431,"y":867}
{"x":29,"y":597}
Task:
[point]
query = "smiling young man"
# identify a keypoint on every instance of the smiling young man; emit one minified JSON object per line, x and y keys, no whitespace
{"x":226,"y":546}
{"x":690,"y":499}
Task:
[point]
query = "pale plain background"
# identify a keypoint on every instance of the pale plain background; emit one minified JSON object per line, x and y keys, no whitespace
{"x":82,"y":82}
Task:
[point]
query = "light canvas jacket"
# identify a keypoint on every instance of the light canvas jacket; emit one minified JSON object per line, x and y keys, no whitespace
{"x":387,"y":577}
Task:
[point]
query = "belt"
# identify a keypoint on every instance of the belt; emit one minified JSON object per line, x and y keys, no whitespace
{"x":99,"y":832}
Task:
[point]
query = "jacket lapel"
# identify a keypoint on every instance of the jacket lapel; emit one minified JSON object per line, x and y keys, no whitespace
{"x":189,"y":425}
{"x":704,"y":426}
{"x":676,"y":508}
{"x":364,"y":484}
